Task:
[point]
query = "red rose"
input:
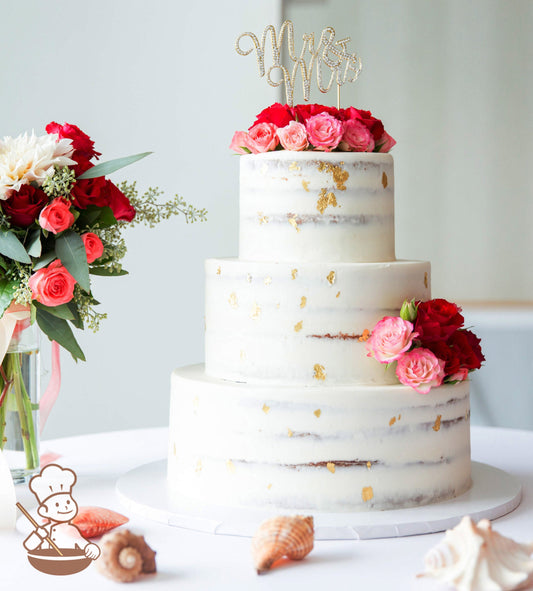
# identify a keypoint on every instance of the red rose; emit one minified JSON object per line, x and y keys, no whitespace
{"x":57,"y":216}
{"x":81,"y":142}
{"x":437,"y":320}
{"x":94,"y":248}
{"x":467,"y":347}
{"x":375,"y":126}
{"x":24,"y":206}
{"x":278,"y":114}
{"x":448,"y":355}
{"x":53,"y":285}
{"x":119,"y":203}
{"x":303,"y":112}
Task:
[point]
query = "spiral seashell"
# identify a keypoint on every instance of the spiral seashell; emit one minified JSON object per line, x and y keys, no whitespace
{"x":476,"y":558}
{"x":125,"y":556}
{"x":290,"y":536}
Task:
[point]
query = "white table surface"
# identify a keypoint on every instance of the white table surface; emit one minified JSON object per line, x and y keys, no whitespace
{"x":189,"y":560}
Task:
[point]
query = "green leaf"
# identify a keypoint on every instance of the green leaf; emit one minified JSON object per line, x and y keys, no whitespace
{"x":103,"y":216}
{"x":106,"y":272}
{"x":57,"y":329}
{"x":44,"y":260}
{"x":62,"y":311}
{"x":77,"y":320}
{"x":71,"y":251}
{"x":7,"y":291}
{"x":34,"y":246}
{"x":11,"y":247}
{"x":111,"y":166}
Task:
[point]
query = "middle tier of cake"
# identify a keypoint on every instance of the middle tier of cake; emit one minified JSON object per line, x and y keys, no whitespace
{"x":305,"y":323}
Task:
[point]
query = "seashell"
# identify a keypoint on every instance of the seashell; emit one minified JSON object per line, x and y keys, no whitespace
{"x":281,"y":536}
{"x":95,"y":521}
{"x":476,"y":558}
{"x":125,"y":556}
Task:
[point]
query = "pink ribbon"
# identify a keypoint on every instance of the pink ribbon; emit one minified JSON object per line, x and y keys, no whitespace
{"x":50,"y":396}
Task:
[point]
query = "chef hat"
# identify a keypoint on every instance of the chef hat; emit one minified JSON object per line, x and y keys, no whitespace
{"x":52,"y":480}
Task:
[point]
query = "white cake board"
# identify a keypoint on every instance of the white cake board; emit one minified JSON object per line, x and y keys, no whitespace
{"x":494,"y":493}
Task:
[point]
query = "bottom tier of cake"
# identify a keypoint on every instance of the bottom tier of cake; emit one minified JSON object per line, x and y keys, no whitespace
{"x":323,"y":448}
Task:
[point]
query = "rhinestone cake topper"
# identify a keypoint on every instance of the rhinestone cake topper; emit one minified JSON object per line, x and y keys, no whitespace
{"x":343,"y":66}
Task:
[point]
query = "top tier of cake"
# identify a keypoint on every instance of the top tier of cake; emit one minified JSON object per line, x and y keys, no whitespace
{"x":317,"y":207}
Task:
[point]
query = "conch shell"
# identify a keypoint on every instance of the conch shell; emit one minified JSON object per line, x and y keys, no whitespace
{"x":280,"y":536}
{"x":125,"y":556}
{"x":476,"y":558}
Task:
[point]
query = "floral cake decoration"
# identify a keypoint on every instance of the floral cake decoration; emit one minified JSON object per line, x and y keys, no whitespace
{"x":429,"y":344}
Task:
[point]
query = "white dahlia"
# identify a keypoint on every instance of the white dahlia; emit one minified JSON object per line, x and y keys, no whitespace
{"x":25,"y":159}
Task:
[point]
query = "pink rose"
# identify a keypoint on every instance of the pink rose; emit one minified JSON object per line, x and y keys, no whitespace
{"x":458,"y":376}
{"x":53,"y":285}
{"x":262,"y":138}
{"x":239,"y":143}
{"x":94,"y":248}
{"x":293,"y":136}
{"x":356,"y":137}
{"x":385,"y":143}
{"x":391,"y":337}
{"x":324,"y":131}
{"x":420,"y":369}
{"x":57,"y":216}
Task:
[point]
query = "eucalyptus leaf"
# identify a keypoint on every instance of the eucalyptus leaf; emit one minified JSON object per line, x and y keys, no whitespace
{"x":71,"y":251}
{"x":110,"y":166}
{"x":77,"y":320}
{"x":34,"y":246}
{"x":106,"y":272}
{"x":62,"y":311}
{"x":45,"y":260}
{"x":11,"y":247}
{"x":7,"y":291}
{"x":57,"y":329}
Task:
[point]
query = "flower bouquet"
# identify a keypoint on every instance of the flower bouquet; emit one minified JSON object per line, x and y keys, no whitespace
{"x":313,"y":127}
{"x":61,"y":221}
{"x":428,"y":343}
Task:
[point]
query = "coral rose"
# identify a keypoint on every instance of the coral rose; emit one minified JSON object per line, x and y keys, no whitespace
{"x":420,"y":369}
{"x":239,"y":143}
{"x":324,"y":131}
{"x":53,"y":285}
{"x":293,"y":136}
{"x":390,"y":338}
{"x":94,"y":248}
{"x":356,"y":137}
{"x":262,"y":138}
{"x":57,"y":216}
{"x":437,"y":320}
{"x":23,"y":206}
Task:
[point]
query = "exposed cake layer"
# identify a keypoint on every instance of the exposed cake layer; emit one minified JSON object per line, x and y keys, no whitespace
{"x":339,"y":448}
{"x":309,"y":206}
{"x":303,"y":323}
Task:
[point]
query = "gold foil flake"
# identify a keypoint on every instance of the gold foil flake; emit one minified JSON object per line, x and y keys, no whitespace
{"x":467,"y":415}
{"x":399,"y":417}
{"x":303,"y":302}
{"x":294,"y":224}
{"x":278,"y":305}
{"x":436,"y":426}
{"x":331,"y":467}
{"x":392,"y":421}
{"x":331,"y":277}
{"x":243,"y":354}
{"x":198,"y":466}
{"x":338,"y":294}
{"x":324,"y":200}
{"x":294,"y":272}
{"x":249,"y":278}
{"x":196,"y":402}
{"x":294,"y":166}
{"x":265,"y":408}
{"x":365,"y":336}
{"x":269,"y":486}
{"x":268,"y":280}
{"x":230,"y":466}
{"x":367,"y":493}
{"x":256,"y":312}
{"x":339,"y":175}
{"x":219,"y":271}
{"x":369,"y":465}
{"x":263,"y":219}
{"x":384,"y":180}
{"x":320,"y":374}
{"x":290,"y":433}
{"x":298,"y":326}
{"x":305,"y":185}
{"x":174,"y":453}
{"x":426,"y":281}
{"x":317,"y":413}
{"x":233,"y":302}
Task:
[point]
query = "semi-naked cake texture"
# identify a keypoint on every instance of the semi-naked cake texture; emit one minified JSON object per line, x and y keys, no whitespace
{"x":289,"y":411}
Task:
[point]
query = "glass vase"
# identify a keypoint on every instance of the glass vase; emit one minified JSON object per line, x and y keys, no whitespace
{"x":19,"y":402}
